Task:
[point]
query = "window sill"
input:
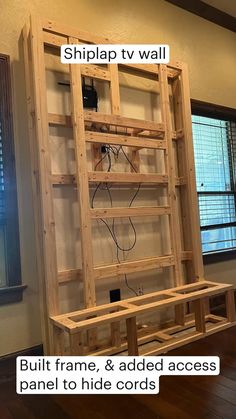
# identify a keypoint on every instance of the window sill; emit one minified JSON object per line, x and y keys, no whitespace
{"x":219,"y":257}
{"x":14,"y":294}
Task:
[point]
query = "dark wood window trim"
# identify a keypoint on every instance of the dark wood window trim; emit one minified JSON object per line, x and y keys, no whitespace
{"x":222,"y":112}
{"x":204,"y":10}
{"x":13,"y":290}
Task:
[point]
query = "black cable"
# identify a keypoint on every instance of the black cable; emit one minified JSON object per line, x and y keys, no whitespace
{"x":127,"y":158}
{"x":115,"y":151}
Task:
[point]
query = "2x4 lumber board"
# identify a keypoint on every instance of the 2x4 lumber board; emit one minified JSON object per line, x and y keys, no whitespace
{"x":141,"y":265}
{"x":46,"y":200}
{"x":119,"y":177}
{"x":95,"y":72}
{"x":180,"y":314}
{"x":230,"y":305}
{"x":199,"y":309}
{"x":121,"y":121}
{"x":69,"y":275}
{"x":182,"y":170}
{"x":82,"y":176}
{"x":124,"y":140}
{"x":74,"y":33}
{"x":76,"y":344}
{"x":54,"y":40}
{"x":65,"y":120}
{"x":162,"y":336}
{"x":115,"y":110}
{"x":145,"y":178}
{"x":114,"y":89}
{"x":58,"y":341}
{"x":190,"y":174}
{"x":175,"y":233}
{"x":107,"y":271}
{"x":115,"y":334}
{"x":63,"y":179}
{"x":123,"y":212}
{"x":44,"y":315}
{"x":214,"y":319}
{"x":149,"y":69}
{"x":59,"y":119}
{"x":60,"y":321}
{"x":178,"y":134}
{"x":180,"y":181}
{"x":186,"y":255}
{"x":174,"y":343}
{"x":132,"y":339}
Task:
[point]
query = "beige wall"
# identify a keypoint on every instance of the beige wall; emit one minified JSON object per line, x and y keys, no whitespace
{"x":200,"y":43}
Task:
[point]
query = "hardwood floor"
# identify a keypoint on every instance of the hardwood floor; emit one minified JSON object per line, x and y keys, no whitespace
{"x":179,"y":397}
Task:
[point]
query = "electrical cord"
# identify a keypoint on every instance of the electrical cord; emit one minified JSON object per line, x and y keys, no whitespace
{"x":115,"y":151}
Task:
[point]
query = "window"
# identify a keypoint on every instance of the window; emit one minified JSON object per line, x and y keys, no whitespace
{"x":215,"y":158}
{"x":10,"y":272}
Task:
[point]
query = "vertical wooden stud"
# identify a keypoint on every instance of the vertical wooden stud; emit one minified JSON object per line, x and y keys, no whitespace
{"x":76,"y":344}
{"x":77,"y":115}
{"x":180,"y":314}
{"x":46,"y":195}
{"x":82,"y":182}
{"x":191,"y":223}
{"x":170,"y":166}
{"x":230,"y":305}
{"x":132,"y":336}
{"x":59,"y":341}
{"x":115,"y":334}
{"x":199,"y":310}
{"x":35,"y":188}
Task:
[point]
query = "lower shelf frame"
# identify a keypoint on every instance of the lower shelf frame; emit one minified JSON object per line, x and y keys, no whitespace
{"x":72,"y":331}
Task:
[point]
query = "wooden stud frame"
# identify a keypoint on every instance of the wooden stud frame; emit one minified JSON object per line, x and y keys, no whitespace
{"x":182,"y":207}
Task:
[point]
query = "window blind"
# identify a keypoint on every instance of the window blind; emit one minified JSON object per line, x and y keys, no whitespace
{"x":215,"y":151}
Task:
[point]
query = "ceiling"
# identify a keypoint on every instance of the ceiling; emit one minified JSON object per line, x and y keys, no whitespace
{"x":227,"y":6}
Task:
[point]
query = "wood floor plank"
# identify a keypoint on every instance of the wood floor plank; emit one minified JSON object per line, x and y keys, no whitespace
{"x":186,"y":397}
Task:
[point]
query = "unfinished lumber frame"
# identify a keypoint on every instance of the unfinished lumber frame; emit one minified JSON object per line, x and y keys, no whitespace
{"x":194,"y":326}
{"x":77,"y":333}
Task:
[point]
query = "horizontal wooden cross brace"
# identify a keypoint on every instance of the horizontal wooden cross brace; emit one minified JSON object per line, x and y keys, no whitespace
{"x":65,"y":120}
{"x":121,"y":177}
{"x":113,"y":269}
{"x":106,"y":119}
{"x":117,"y":177}
{"x":125,"y":140}
{"x":124,"y":212}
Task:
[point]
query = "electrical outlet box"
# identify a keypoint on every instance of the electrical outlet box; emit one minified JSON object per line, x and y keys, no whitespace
{"x":114,"y":295}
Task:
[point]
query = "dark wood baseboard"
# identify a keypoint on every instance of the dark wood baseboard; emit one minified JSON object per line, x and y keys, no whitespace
{"x":8,"y":362}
